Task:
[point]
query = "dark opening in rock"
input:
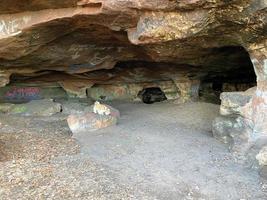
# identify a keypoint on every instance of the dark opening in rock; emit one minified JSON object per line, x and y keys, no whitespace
{"x":152,"y":95}
{"x":217,"y":86}
{"x":233,"y":71}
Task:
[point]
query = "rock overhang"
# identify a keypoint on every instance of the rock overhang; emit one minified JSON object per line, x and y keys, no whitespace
{"x":79,"y":37}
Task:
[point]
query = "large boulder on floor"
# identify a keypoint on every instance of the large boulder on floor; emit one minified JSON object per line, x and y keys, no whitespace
{"x":73,"y":108}
{"x":41,"y":108}
{"x":75,"y":105}
{"x":222,"y":128}
{"x":233,"y":102}
{"x":91,"y":121}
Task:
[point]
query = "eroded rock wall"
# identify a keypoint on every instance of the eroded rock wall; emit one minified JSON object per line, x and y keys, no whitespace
{"x":245,"y":126}
{"x":82,"y":36}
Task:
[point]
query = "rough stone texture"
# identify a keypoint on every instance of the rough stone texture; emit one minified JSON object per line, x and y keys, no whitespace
{"x":233,"y":87}
{"x":222,"y":128}
{"x":34,"y":108}
{"x":232,"y":102}
{"x":231,"y":126}
{"x":17,"y":93}
{"x":189,"y":89}
{"x":129,"y":91}
{"x":89,"y":121}
{"x":73,"y":107}
{"x":248,"y":133}
{"x":255,"y":112}
{"x":78,"y":37}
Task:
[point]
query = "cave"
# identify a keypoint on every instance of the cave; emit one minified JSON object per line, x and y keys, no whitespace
{"x":229,"y":69}
{"x":152,"y":95}
{"x":116,"y":99}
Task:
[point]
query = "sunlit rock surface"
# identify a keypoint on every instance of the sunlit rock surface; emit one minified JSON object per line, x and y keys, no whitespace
{"x":93,"y":119}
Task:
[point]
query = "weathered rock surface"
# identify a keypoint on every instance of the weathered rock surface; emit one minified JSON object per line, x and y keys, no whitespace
{"x":232,"y":102}
{"x":130,"y":91}
{"x":237,"y":126}
{"x":222,"y":128}
{"x":38,"y":108}
{"x":77,"y":37}
{"x":89,"y":121}
{"x":24,"y":93}
{"x":232,"y":128}
{"x":74,"y":105}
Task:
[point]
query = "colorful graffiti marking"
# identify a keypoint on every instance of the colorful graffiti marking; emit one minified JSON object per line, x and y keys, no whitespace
{"x":23,"y":94}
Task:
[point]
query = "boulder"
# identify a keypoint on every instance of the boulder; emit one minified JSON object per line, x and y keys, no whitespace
{"x":90,"y":121}
{"x":39,"y":108}
{"x":233,"y":102}
{"x":75,"y":106}
{"x":222,"y":127}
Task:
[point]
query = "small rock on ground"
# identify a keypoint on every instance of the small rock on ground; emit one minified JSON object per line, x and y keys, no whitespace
{"x":90,"y":121}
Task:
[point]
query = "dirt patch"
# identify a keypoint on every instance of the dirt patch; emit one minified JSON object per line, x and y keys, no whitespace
{"x":38,"y":147}
{"x":159,"y":151}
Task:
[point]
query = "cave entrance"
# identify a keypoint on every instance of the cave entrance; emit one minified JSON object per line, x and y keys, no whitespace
{"x":152,"y":95}
{"x":234,"y":73}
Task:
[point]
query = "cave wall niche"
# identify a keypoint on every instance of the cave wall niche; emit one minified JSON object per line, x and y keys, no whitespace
{"x":234,"y":74}
{"x":230,"y":69}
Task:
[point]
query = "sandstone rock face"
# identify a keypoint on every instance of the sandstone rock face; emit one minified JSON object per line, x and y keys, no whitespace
{"x":232,"y":102}
{"x":243,"y":124}
{"x":231,"y":127}
{"x":23,"y":93}
{"x":130,"y":91}
{"x":73,"y":108}
{"x":39,"y":108}
{"x":77,"y":37}
{"x":89,"y":121}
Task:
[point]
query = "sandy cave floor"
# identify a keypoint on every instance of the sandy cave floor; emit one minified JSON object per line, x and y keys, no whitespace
{"x":160,"y":151}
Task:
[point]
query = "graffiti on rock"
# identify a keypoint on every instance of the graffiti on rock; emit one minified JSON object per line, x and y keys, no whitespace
{"x":23,"y":94}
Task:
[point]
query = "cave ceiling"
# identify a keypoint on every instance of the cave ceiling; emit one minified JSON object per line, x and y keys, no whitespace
{"x":79,"y":37}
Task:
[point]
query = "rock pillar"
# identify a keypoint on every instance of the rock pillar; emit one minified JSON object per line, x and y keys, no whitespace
{"x":255,"y":112}
{"x":189,"y":89}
